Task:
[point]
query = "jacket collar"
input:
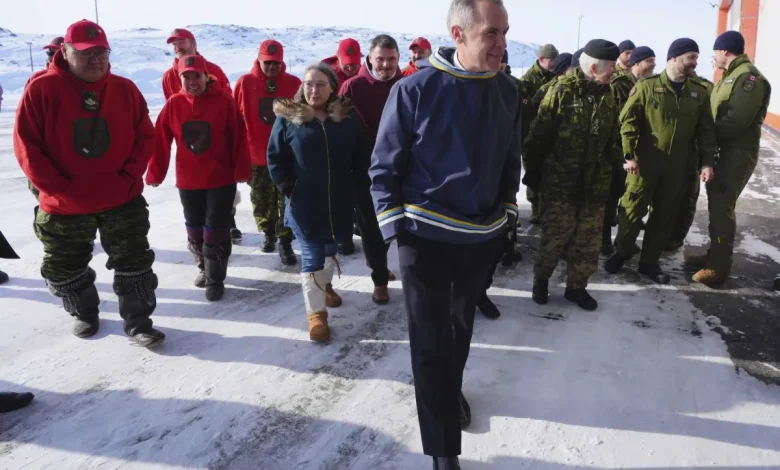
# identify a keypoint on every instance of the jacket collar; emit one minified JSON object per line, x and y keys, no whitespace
{"x":367,"y":73}
{"x":444,"y":60}
{"x":736,"y":63}
{"x":301,"y":113}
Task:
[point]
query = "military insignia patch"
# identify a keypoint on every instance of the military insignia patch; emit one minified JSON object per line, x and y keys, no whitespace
{"x":92,"y":32}
{"x":270,"y":86}
{"x":89,"y":100}
{"x":272,"y":49}
{"x":350,"y":51}
{"x":694,"y":94}
{"x":189,"y":61}
{"x":196,"y":136}
{"x":752,"y":78}
{"x":749,"y":86}
{"x":659,"y":89}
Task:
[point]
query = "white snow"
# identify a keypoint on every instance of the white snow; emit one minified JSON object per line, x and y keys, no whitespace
{"x":641,"y":383}
{"x":752,"y":245}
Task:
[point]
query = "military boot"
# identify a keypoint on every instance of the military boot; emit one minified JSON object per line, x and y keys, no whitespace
{"x":137,"y":302}
{"x":269,"y":243}
{"x":195,"y":246}
{"x":286,"y":253}
{"x":581,"y":298}
{"x":711,"y":277}
{"x":80,"y":299}
{"x":540,"y":292}
{"x":216,"y":252}
{"x":614,"y":264}
{"x":654,"y":272}
{"x":11,"y":401}
{"x":3,"y":277}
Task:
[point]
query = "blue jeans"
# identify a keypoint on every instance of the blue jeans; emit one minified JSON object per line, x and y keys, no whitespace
{"x":313,"y":255}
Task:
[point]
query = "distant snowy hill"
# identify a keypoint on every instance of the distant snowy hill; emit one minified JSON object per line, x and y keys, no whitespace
{"x":143,"y":55}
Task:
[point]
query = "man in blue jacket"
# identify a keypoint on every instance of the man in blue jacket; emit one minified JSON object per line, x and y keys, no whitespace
{"x":445,"y":174}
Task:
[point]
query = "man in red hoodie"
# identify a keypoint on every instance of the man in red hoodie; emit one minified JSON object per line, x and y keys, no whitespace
{"x":88,"y":164}
{"x":421,"y":49}
{"x":346,"y":62}
{"x":369,"y":91}
{"x":184,"y":44}
{"x":255,"y":94}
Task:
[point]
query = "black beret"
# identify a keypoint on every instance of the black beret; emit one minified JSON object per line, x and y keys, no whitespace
{"x":602,"y":49}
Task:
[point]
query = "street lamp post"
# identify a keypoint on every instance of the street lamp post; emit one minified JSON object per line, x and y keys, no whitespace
{"x":29,"y":44}
{"x":579,"y":28}
{"x":96,"y":13}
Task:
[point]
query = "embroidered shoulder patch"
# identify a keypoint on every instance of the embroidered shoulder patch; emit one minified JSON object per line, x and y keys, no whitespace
{"x":730,"y":80}
{"x":694,"y":94}
{"x":659,"y":89}
{"x":749,"y":86}
{"x":752,"y":78}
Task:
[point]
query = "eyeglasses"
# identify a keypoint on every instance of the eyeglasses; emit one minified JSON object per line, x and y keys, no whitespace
{"x":315,"y":85}
{"x":98,"y":53}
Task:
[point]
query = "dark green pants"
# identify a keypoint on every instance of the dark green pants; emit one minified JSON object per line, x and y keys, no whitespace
{"x":688,"y":198}
{"x":268,"y":205}
{"x":735,"y":167}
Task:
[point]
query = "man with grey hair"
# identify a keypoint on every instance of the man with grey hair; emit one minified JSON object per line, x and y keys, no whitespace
{"x":570,"y":154}
{"x":450,"y":203}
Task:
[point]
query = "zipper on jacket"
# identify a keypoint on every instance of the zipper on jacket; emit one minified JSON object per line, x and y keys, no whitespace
{"x":327,"y":155}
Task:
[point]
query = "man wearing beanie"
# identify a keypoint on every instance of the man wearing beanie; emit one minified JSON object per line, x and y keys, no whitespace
{"x":561,"y":66}
{"x":642,"y":65}
{"x":623,"y":65}
{"x":570,"y":154}
{"x":664,"y":116}
{"x":739,"y":106}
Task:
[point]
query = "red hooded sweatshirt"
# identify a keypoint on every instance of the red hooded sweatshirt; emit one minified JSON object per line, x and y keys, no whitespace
{"x":85,"y":146}
{"x":369,"y":96}
{"x":37,"y":73}
{"x":255,"y":96}
{"x":210,"y":136}
{"x":411,"y":70}
{"x":334,"y":64}
{"x":171,"y":82}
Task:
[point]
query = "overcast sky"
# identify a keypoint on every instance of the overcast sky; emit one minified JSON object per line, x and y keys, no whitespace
{"x":654,"y":23}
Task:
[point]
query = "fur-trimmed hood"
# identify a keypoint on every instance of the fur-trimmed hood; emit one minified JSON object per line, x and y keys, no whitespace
{"x":301,"y":113}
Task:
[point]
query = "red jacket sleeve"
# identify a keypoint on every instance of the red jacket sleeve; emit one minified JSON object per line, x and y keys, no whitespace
{"x":30,"y":148}
{"x":224,"y":82}
{"x":242,"y":160}
{"x":161,"y":158}
{"x":144,"y":139}
{"x":238,"y":95}
{"x":166,"y":84}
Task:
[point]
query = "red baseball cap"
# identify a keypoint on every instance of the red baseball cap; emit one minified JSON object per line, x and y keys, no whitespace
{"x":192,"y":63}
{"x":421,"y":42}
{"x":55,"y":43}
{"x":349,"y":52}
{"x":180,"y":33}
{"x":271,"y":51}
{"x":84,"y":34}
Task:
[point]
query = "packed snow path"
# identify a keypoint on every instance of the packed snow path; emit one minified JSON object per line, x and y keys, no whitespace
{"x":644,"y":382}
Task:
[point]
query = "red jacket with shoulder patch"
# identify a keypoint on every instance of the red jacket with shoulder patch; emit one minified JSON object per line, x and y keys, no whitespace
{"x":171,"y":82}
{"x":210,"y":137}
{"x":255,"y":94}
{"x":85,"y":146}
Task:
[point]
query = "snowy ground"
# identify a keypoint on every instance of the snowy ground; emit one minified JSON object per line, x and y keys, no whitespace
{"x":645,"y":382}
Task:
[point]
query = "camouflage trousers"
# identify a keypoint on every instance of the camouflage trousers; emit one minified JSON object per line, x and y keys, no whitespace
{"x":533,"y":198}
{"x":268,"y":205}
{"x":688,"y":199}
{"x":735,"y":167}
{"x":577,"y":230}
{"x":68,"y":241}
{"x":33,"y":189}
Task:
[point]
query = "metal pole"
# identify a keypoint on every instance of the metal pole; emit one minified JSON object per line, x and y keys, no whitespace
{"x":32,"y":69}
{"x":96,"y":13}
{"x":579,"y":28}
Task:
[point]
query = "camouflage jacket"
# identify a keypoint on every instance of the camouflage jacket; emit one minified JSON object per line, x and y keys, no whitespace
{"x":535,"y":77}
{"x":739,"y":105}
{"x":572,"y":144}
{"x":659,"y":127}
{"x":622,"y":83}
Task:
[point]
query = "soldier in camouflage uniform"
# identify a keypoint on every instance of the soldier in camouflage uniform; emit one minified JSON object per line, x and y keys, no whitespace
{"x":739,"y":106}
{"x":571,"y":152}
{"x":664,"y":115}
{"x":88,"y":165}
{"x":623,"y":66}
{"x":690,"y":189}
{"x":533,"y":79}
{"x":642,"y":64}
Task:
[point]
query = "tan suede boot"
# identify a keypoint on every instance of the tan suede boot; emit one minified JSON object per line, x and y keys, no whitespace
{"x":318,"y":327}
{"x":710,"y":277}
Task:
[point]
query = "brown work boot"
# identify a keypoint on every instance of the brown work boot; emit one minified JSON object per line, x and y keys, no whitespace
{"x":380,"y":295}
{"x":710,"y":277}
{"x":332,"y":299}
{"x":318,"y":327}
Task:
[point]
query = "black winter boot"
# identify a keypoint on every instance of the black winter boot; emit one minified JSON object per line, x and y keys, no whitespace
{"x":10,"y":401}
{"x":465,"y":412}
{"x":286,"y":253}
{"x":487,"y":307}
{"x":80,"y":299}
{"x":269,"y":243}
{"x":540,"y":291}
{"x":653,"y":271}
{"x":137,"y":302}
{"x":195,"y":246}
{"x":581,"y":298}
{"x":346,"y":248}
{"x":235,"y":234}
{"x":446,"y":463}
{"x":614,"y":264}
{"x":3,"y":277}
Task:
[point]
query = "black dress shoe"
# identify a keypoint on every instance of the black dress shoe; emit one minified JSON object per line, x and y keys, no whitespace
{"x":465,"y":413}
{"x":446,"y":463}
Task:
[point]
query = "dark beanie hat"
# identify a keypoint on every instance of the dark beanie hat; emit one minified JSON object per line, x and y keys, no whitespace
{"x":601,"y":49}
{"x":626,"y":45}
{"x":682,"y":46}
{"x":639,"y":54}
{"x":731,"y":41}
{"x":505,"y":59}
{"x":575,"y":58}
{"x":561,"y":63}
